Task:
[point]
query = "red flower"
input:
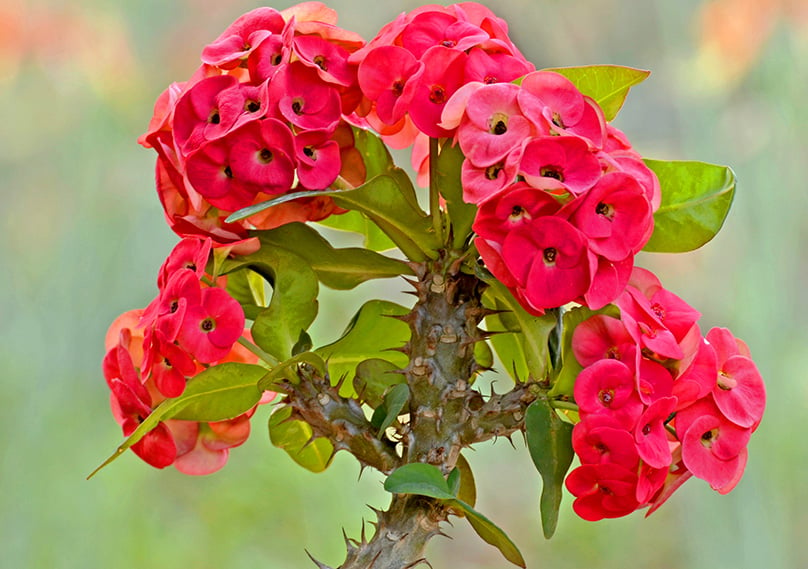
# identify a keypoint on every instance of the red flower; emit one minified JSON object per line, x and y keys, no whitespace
{"x":210,"y":328}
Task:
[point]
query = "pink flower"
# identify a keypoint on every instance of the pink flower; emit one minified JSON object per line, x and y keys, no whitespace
{"x":651,"y":436}
{"x":602,"y":491}
{"x":189,"y":253}
{"x":550,"y":98}
{"x":433,"y":28}
{"x":548,"y":257}
{"x":318,"y":159}
{"x":739,"y":391}
{"x":600,"y":337}
{"x":601,"y":439}
{"x":556,"y":163}
{"x":242,"y":36}
{"x":388,"y":76}
{"x":614,"y":214}
{"x":441,"y":77}
{"x":713,"y":448}
{"x":304,"y":99}
{"x":210,"y":328}
{"x":607,"y":387}
{"x":495,"y":125}
{"x":505,"y":212}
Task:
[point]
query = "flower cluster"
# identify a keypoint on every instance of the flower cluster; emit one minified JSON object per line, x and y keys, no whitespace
{"x":417,"y":62}
{"x":564,"y":201}
{"x":153,"y":352}
{"x":262,"y":116}
{"x":658,"y":403}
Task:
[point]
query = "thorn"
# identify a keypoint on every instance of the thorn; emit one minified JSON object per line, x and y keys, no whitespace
{"x":364,"y":540}
{"x":405,"y":349}
{"x":412,"y":282}
{"x":409,"y":317}
{"x":373,"y":561}
{"x":510,"y":440}
{"x":308,"y":442}
{"x":319,"y":565}
{"x":340,"y":382}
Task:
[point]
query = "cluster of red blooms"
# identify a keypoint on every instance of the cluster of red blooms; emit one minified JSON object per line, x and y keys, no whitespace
{"x":416,"y":63}
{"x":658,"y":403}
{"x":262,"y":116}
{"x":152,"y":353}
{"x":565,"y":203}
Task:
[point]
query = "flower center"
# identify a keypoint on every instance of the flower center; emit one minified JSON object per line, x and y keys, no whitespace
{"x":437,"y":94}
{"x":320,"y":62}
{"x":552,"y":172}
{"x":228,"y":172}
{"x":398,"y":88}
{"x":606,"y":397}
{"x":550,"y":254}
{"x":265,"y":155}
{"x":252,"y":106}
{"x":309,"y":152}
{"x":557,"y":120}
{"x":214,"y":117}
{"x":492,"y":172}
{"x":605,"y":210}
{"x":297,"y":106}
{"x":708,"y":437}
{"x":498,"y":124}
{"x":207,"y":325}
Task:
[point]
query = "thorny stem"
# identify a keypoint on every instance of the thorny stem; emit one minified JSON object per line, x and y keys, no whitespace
{"x":446,"y":413}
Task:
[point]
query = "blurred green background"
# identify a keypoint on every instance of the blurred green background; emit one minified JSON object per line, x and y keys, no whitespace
{"x":83,"y":237}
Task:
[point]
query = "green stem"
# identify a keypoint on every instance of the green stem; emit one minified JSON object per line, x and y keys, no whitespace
{"x":566,"y":405}
{"x":434,"y":194}
{"x":269,"y":360}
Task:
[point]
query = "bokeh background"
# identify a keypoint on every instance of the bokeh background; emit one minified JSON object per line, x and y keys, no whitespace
{"x":83,"y":236}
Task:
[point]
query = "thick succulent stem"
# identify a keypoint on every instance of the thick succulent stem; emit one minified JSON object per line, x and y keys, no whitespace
{"x":446,"y":413}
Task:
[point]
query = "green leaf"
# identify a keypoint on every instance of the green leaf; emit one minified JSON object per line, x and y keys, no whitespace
{"x":389,"y":201}
{"x":427,"y":480}
{"x":461,"y":214}
{"x":340,"y":269}
{"x":287,"y":370}
{"x":419,"y":478}
{"x":453,"y":481}
{"x":491,"y":533}
{"x":532,"y":332}
{"x":372,"y":333}
{"x":295,"y":437}
{"x":468,"y":489}
{"x":392,"y":405}
{"x":293,"y":307}
{"x":374,"y":153}
{"x":483,"y":354}
{"x":608,"y":85}
{"x":564,"y":380}
{"x":696,"y":198}
{"x":219,"y":393}
{"x":247,"y":287}
{"x":357,"y":222}
{"x":373,"y":378}
{"x":549,"y":440}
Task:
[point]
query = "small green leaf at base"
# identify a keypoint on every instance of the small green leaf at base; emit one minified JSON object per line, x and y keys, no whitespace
{"x":419,"y":478}
{"x":549,"y":440}
{"x":297,"y":439}
{"x":427,"y":480}
{"x":696,"y":198}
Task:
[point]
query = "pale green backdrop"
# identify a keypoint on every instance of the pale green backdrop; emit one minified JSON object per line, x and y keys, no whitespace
{"x":83,"y":236}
